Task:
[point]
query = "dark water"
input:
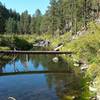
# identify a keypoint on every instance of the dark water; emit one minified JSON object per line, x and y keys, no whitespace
{"x":38,"y":86}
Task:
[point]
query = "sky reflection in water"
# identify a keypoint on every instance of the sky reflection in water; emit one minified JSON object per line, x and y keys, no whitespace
{"x":51,"y":86}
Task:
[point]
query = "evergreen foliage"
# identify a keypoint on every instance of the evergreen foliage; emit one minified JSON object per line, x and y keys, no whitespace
{"x":60,"y":17}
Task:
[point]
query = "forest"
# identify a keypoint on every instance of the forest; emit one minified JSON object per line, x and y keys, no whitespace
{"x":72,"y":24}
{"x":61,"y":16}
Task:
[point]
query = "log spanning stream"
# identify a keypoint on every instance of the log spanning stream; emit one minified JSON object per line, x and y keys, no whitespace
{"x":34,"y":52}
{"x":32,"y":76}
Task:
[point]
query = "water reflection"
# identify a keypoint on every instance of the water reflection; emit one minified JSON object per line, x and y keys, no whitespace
{"x":21,"y":63}
{"x":48,"y":86}
{"x":1,"y":70}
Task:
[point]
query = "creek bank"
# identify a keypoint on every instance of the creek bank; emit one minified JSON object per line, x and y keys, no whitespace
{"x":15,"y":42}
{"x":82,"y":64}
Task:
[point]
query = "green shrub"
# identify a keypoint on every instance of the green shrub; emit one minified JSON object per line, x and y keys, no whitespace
{"x":22,"y":44}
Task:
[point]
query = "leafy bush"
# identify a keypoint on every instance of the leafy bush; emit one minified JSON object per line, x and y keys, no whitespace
{"x":22,"y":44}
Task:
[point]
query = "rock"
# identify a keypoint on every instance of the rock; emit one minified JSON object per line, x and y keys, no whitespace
{"x":92,"y":98}
{"x":98,"y":20}
{"x":98,"y":97}
{"x":55,"y":59}
{"x":92,"y":89}
{"x":76,"y":64}
{"x":79,"y":63}
{"x":84,"y":67}
{"x":75,"y":60}
{"x":41,"y":43}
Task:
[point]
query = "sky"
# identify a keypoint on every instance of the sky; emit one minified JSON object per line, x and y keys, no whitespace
{"x":30,"y":5}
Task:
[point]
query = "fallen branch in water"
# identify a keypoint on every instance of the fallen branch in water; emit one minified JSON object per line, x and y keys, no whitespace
{"x":11,"y":98}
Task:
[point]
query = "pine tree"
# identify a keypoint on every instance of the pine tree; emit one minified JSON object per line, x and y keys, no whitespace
{"x":4,"y":15}
{"x":61,"y":19}
{"x":25,"y":22}
{"x":38,"y":18}
{"x":32,"y":25}
{"x":10,"y":26}
{"x":53,"y":16}
{"x":44,"y":27}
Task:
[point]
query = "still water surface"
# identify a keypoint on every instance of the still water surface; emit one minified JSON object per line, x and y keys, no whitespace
{"x":36,"y":86}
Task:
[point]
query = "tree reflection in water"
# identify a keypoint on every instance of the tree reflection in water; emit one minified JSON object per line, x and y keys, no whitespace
{"x":65,"y":84}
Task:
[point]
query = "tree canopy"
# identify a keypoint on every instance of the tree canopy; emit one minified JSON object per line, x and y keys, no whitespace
{"x":60,"y":17}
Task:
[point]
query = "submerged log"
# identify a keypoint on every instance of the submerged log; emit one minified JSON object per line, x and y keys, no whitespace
{"x":11,"y":98}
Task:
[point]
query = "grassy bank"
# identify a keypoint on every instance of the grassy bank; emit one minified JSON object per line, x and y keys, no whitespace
{"x":87,"y":49}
